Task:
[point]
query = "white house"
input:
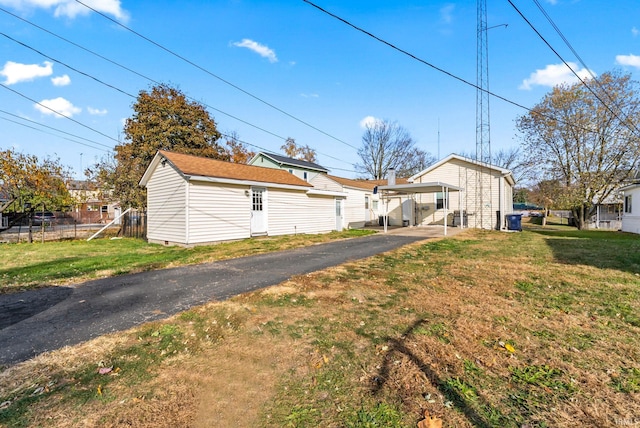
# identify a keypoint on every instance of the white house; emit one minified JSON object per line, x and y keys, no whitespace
{"x":193,"y":200}
{"x":448,"y":190}
{"x":631,"y":214}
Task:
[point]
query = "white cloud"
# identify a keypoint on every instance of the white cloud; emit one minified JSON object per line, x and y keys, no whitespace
{"x":71,"y":8}
{"x":63,"y":80}
{"x":310,"y":95}
{"x":554,"y":74}
{"x":368,"y":121}
{"x":97,"y":112}
{"x":15,"y":72}
{"x":262,"y":50}
{"x":630,"y":60}
{"x":635,"y":32}
{"x":57,"y":105}
{"x":446,"y":13}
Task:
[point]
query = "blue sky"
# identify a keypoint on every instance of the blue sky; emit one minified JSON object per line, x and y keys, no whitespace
{"x":292,"y":56}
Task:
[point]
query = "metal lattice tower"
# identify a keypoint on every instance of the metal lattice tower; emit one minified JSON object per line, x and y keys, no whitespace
{"x":484,"y":212}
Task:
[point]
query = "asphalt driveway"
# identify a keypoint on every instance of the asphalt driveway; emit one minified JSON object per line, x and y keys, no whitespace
{"x":43,"y":320}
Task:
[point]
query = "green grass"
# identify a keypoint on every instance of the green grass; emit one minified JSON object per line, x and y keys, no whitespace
{"x":485,"y":329}
{"x":38,"y":265}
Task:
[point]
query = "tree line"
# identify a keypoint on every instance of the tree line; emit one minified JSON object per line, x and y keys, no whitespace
{"x":577,"y":146}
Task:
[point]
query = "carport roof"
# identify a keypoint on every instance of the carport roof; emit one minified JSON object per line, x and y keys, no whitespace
{"x":432,"y":187}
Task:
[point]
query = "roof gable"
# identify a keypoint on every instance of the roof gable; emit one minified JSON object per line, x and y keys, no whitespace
{"x":284,"y":160}
{"x":469,"y":161}
{"x":195,"y":166}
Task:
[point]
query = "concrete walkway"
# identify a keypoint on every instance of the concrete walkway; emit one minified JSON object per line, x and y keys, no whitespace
{"x":43,"y":320}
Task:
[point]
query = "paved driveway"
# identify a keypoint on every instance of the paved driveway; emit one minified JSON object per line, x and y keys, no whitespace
{"x":42,"y":320}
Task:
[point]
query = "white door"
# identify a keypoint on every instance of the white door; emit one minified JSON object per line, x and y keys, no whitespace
{"x":338,"y":215}
{"x":367,"y":209}
{"x":258,"y":211}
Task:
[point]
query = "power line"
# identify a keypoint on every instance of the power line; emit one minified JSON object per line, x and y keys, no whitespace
{"x":255,"y":97}
{"x":51,"y":133}
{"x":580,"y":60}
{"x":134,"y":72}
{"x":441,"y":70}
{"x":58,"y":113}
{"x":54,"y":129}
{"x":624,"y":122}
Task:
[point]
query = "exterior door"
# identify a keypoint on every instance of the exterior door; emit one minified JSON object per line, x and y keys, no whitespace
{"x":367,"y":209}
{"x":258,"y":211}
{"x":338,"y":215}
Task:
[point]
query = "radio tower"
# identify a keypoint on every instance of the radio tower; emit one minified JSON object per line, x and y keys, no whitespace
{"x":483,"y":217}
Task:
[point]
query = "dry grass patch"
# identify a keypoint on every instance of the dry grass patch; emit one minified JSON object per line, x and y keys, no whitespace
{"x":483,"y":329}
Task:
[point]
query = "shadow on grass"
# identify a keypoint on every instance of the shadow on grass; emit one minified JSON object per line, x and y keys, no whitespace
{"x":460,"y":402}
{"x":16,"y":307}
{"x":601,"y":249}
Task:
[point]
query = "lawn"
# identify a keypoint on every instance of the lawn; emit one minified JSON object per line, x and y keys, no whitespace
{"x":484,"y":329}
{"x":28,"y":266}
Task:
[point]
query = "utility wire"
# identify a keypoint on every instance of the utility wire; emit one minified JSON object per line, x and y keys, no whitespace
{"x":58,"y":113}
{"x":255,"y":97}
{"x":633,"y":129}
{"x":453,"y":76}
{"x":134,"y":72}
{"x":54,"y":129}
{"x":579,"y":58}
{"x":51,"y":133}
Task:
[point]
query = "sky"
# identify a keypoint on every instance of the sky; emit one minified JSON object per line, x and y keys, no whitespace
{"x":270,"y":70}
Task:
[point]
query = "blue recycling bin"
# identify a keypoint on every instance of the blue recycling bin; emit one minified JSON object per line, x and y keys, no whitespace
{"x":514,"y":222}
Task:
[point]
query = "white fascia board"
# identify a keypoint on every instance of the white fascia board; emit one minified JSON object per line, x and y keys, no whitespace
{"x":246,"y":182}
{"x":421,"y":187}
{"x":326,"y":193}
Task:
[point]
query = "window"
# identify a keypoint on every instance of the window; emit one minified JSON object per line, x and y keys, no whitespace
{"x":290,"y":171}
{"x":440,"y":200}
{"x":105,"y":209}
{"x":627,"y":204}
{"x":374,"y":205}
{"x":304,"y":174}
{"x":366,"y":202}
{"x":257,"y":200}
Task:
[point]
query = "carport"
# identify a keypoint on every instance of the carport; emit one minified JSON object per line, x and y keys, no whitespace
{"x":394,"y":190}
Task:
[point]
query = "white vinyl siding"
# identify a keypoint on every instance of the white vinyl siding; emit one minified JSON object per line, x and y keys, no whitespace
{"x":630,"y":218}
{"x":296,"y":212}
{"x":218,"y":212}
{"x":166,"y":203}
{"x":322,"y":182}
{"x":463,"y":174}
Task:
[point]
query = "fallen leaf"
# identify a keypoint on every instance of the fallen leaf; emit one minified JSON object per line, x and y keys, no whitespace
{"x":509,"y":348}
{"x":430,"y":421}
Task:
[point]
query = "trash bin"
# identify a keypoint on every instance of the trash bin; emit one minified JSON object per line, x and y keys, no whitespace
{"x":405,"y":223}
{"x":514,"y":222}
{"x":381,"y":220}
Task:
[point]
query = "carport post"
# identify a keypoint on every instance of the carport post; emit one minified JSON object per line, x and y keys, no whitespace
{"x":385,"y":219}
{"x":446,"y":207}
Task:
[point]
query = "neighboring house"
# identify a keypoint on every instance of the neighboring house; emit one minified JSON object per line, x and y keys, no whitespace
{"x":608,"y":213}
{"x":631,"y":210}
{"x":193,"y":200}
{"x":363,"y":201}
{"x":4,"y":202}
{"x":307,"y":171}
{"x":448,"y":188}
{"x":92,"y":205}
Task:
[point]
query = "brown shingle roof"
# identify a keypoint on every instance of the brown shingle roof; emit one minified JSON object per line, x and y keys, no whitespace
{"x":364,"y":184}
{"x":206,"y":167}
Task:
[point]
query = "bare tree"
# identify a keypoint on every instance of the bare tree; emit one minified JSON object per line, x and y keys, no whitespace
{"x":388,"y":145}
{"x":590,"y":147}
